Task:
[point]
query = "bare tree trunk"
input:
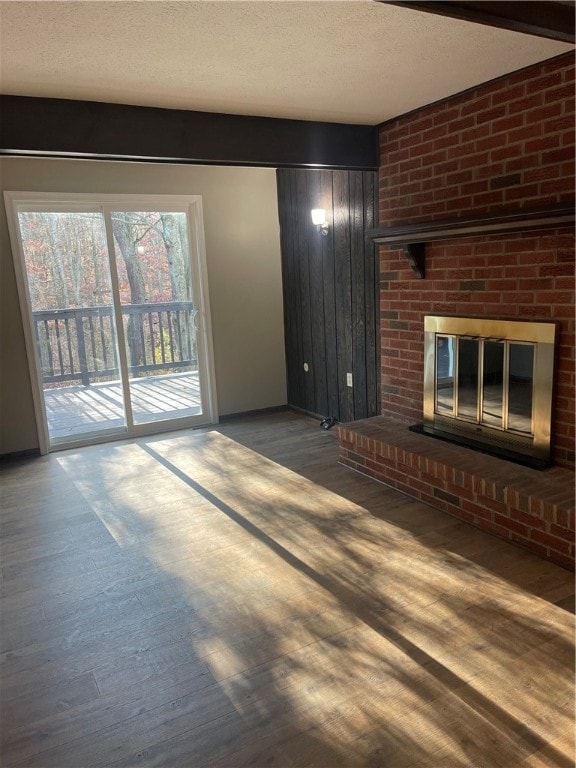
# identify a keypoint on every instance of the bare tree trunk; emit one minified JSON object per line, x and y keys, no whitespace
{"x":76,"y":248}
{"x":186,"y":248}
{"x":183,"y":232}
{"x":57,"y":251}
{"x":125,"y":237}
{"x":179,"y":271}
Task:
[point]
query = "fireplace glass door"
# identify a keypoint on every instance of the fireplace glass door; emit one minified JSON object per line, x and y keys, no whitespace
{"x":520,"y":387}
{"x":490,"y":380}
{"x":493,"y":399}
{"x":485,"y":381}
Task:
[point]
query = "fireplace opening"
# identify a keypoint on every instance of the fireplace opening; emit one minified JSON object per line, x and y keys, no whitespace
{"x":488,"y":385}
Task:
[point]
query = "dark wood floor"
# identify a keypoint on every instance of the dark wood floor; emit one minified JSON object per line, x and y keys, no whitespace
{"x":232,"y":597}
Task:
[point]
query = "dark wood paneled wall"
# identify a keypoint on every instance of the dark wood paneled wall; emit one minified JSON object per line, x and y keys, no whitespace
{"x":68,"y":128}
{"x":330,"y":292}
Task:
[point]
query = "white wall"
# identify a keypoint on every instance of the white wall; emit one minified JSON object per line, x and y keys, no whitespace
{"x":244,"y":276}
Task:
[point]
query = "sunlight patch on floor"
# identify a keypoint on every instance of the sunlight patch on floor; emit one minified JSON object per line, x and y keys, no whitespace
{"x":246,"y":542}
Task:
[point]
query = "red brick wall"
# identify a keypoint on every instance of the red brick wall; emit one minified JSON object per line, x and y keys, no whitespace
{"x":505,"y":145}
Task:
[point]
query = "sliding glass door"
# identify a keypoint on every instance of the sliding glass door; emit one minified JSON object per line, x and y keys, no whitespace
{"x":73,"y":323}
{"x":115,"y":305}
{"x":158,"y":313}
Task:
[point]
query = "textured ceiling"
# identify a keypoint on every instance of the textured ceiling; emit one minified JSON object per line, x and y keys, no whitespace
{"x":356,"y":62}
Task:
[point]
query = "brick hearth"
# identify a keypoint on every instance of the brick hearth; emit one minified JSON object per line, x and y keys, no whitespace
{"x":532,"y":508}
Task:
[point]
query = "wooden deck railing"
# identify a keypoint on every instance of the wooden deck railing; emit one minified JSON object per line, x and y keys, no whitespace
{"x":80,"y":344}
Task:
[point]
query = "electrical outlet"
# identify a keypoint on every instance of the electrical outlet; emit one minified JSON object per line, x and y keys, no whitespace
{"x":349,"y":380}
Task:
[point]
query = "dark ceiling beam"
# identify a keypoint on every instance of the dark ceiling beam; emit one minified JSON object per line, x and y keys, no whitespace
{"x":554,"y":20}
{"x":89,"y":129}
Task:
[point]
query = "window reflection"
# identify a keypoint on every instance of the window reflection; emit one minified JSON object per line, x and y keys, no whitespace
{"x":459,"y":378}
{"x":520,"y":386}
{"x":493,"y":383}
{"x":468,"y":379}
{"x":445,"y":375}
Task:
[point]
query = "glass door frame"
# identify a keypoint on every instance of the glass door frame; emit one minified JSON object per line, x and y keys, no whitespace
{"x":104,"y":204}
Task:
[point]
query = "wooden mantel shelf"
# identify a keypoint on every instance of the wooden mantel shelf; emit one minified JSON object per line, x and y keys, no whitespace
{"x":413,"y":237}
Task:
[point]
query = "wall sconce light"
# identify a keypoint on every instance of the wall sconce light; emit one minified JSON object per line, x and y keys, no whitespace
{"x":319,"y":220}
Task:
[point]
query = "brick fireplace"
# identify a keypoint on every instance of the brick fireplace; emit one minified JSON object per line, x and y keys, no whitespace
{"x":507,"y":145}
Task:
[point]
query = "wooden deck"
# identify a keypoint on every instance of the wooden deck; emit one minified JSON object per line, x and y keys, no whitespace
{"x":78,"y":410}
{"x":231,"y":597}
